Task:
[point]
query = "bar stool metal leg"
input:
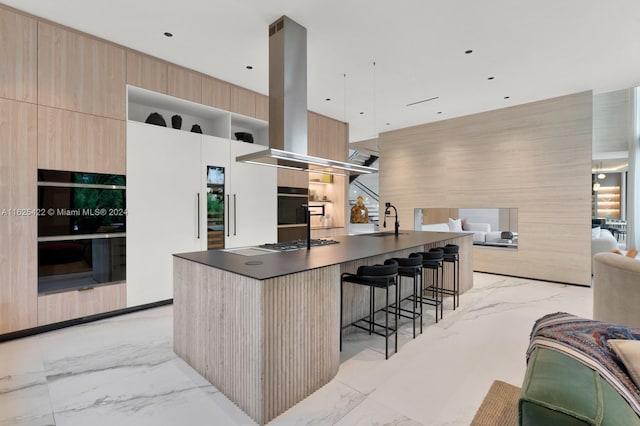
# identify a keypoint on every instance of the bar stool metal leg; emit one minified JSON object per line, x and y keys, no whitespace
{"x":376,"y":276}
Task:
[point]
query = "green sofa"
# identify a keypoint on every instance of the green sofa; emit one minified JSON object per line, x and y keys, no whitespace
{"x":559,"y":390}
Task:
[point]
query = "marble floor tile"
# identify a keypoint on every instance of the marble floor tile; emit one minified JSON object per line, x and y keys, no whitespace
{"x":24,"y":394}
{"x":327,"y":406}
{"x":24,"y":400}
{"x":123,"y":370}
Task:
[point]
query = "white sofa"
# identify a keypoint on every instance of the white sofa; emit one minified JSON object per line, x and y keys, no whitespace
{"x":602,"y":241}
{"x":481,"y":231}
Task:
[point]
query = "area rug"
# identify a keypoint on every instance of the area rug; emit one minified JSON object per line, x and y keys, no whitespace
{"x":499,"y":407}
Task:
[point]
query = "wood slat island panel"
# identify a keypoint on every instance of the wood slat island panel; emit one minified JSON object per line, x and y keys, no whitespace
{"x":265,"y":344}
{"x":265,"y":329}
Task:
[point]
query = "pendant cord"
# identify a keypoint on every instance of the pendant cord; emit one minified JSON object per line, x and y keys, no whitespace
{"x":375,"y":133}
{"x":344,"y":97}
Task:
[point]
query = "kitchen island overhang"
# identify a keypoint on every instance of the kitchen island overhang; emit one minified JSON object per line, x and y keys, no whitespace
{"x":264,"y":329}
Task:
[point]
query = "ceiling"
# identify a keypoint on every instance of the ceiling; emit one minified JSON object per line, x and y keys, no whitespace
{"x":533,"y":49}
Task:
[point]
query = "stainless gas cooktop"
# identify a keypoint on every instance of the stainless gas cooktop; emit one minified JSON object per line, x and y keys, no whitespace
{"x":297,"y":244}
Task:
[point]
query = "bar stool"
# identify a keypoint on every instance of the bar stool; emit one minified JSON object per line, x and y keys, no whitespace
{"x":375,"y":276}
{"x":433,"y":260}
{"x":452,"y":255}
{"x":410,"y":267}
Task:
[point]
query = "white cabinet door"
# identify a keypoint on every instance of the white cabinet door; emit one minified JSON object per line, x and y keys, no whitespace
{"x":253,"y":199}
{"x":163,"y":183}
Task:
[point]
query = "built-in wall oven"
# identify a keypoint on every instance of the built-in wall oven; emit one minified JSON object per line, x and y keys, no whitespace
{"x":291,"y":213}
{"x":81,"y":230}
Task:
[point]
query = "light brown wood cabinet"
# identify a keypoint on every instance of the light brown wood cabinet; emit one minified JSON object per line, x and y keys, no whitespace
{"x":184,"y":83}
{"x":80,"y":142}
{"x":68,"y":305}
{"x":294,"y":178}
{"x":80,"y":73}
{"x":243,"y":101}
{"x":216,"y":93}
{"x":262,"y":107}
{"x":328,"y":138}
{"x":146,"y":72}
{"x":18,"y":50}
{"x":18,"y":228}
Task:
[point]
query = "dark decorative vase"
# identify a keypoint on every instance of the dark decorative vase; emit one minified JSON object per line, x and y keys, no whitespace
{"x":156,"y":119}
{"x":244,"y":137}
{"x":196,"y":129}
{"x":176,"y":122}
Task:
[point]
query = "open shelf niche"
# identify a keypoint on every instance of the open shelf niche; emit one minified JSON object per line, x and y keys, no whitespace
{"x":213,"y":121}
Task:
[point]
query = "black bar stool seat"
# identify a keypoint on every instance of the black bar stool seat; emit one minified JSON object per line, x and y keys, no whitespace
{"x":374,"y":276}
{"x":410,"y":267}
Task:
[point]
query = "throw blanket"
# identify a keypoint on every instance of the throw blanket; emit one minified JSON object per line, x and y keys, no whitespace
{"x":586,"y":341}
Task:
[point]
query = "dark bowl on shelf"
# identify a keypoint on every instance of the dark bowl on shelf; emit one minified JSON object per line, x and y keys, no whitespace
{"x":244,"y":137}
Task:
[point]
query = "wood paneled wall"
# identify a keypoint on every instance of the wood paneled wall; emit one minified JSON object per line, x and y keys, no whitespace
{"x":534,"y":157}
{"x":18,"y":228}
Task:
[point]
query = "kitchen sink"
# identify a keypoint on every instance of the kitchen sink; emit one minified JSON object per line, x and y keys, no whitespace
{"x":382,"y":234}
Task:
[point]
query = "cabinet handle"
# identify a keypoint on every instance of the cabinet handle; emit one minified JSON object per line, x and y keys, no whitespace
{"x":85,"y":288}
{"x":227,"y":218}
{"x":198,"y":196}
{"x":235,"y":219}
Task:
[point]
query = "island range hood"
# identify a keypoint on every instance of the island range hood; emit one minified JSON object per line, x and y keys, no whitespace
{"x":288,"y":107}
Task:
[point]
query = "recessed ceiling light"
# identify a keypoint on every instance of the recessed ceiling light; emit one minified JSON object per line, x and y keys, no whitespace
{"x":468,"y":52}
{"x":490,"y":78}
{"x":439,"y":112}
{"x":249,"y":67}
{"x":388,"y":124}
{"x":361,"y":112}
{"x":327,"y":99}
{"x":507,"y":97}
{"x":168,"y":34}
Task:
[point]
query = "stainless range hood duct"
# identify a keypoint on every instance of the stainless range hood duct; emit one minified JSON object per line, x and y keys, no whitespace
{"x":288,"y":107}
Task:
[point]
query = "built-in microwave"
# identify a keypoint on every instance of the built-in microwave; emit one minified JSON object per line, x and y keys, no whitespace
{"x":290,"y":205}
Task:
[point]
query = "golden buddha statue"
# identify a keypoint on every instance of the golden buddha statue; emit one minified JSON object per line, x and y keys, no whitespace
{"x":359,"y":212}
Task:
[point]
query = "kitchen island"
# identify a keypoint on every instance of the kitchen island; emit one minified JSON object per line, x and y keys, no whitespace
{"x":263,"y":327}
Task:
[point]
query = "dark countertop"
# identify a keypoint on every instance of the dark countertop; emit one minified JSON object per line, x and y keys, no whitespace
{"x":351,"y":247}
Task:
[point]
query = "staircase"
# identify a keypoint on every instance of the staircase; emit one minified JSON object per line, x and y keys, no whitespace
{"x":365,"y":186}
